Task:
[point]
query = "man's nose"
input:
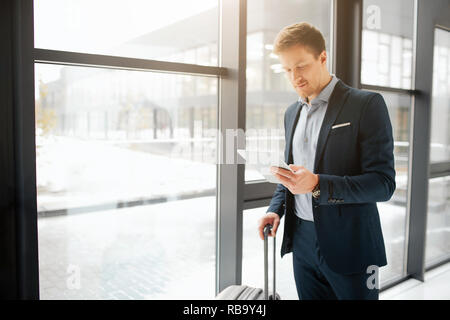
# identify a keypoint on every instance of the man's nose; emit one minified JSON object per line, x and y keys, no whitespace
{"x":296,"y":76}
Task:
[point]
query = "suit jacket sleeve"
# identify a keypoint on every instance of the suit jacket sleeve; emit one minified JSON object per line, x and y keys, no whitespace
{"x":376,"y":183}
{"x":277,"y":203}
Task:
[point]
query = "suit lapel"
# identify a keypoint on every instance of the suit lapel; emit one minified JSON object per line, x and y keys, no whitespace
{"x":335,"y":104}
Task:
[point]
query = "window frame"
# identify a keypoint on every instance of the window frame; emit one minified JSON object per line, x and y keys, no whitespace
{"x":233,"y":193}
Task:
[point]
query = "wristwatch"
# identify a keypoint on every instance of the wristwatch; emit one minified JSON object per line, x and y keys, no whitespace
{"x":316,"y":191}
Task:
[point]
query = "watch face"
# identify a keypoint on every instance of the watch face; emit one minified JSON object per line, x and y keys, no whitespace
{"x":316,"y":193}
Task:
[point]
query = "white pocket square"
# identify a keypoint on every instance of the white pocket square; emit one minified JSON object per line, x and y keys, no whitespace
{"x":340,"y":125}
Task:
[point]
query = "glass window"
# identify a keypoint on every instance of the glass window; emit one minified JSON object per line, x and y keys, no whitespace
{"x":269,"y":92}
{"x":440,"y":115}
{"x":387,"y":43}
{"x":438,"y":216}
{"x":126,"y":182}
{"x":134,"y":28}
{"x":393,"y":213}
{"x":438,"y":221}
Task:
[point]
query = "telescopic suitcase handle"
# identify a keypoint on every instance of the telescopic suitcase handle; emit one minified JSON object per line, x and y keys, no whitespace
{"x":267,"y":229}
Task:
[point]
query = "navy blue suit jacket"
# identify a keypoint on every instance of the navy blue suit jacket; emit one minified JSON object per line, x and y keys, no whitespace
{"x":355,"y":164}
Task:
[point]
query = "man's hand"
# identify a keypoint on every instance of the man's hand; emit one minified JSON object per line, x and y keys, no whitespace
{"x":300,"y":182}
{"x":270,"y":218}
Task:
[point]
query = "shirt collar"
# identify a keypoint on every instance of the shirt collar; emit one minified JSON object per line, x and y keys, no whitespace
{"x":325,"y":94}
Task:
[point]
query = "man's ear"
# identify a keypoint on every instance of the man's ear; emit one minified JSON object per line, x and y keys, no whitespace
{"x":323,"y":57}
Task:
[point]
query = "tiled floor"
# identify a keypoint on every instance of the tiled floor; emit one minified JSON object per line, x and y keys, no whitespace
{"x":435,"y":287}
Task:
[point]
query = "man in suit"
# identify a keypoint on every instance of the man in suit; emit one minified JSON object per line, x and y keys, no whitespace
{"x":339,"y":144}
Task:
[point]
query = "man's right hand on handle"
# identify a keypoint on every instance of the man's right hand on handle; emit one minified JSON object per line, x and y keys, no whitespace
{"x":269,"y":218}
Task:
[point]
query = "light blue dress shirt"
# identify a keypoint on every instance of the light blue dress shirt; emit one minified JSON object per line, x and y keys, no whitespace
{"x":304,"y":142}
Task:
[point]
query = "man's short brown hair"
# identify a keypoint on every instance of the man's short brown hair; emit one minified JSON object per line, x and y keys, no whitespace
{"x":301,"y":33}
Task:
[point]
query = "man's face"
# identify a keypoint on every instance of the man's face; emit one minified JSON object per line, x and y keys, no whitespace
{"x":303,"y":69}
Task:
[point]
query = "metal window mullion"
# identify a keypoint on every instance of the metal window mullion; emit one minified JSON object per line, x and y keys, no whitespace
{"x":437,"y":262}
{"x":411,"y":145}
{"x":333,"y":36}
{"x":230,"y":177}
{"x":258,"y":190}
{"x":22,"y":145}
{"x":123,"y":63}
{"x":347,"y":41}
{"x":439,"y":169}
{"x":389,"y":89}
